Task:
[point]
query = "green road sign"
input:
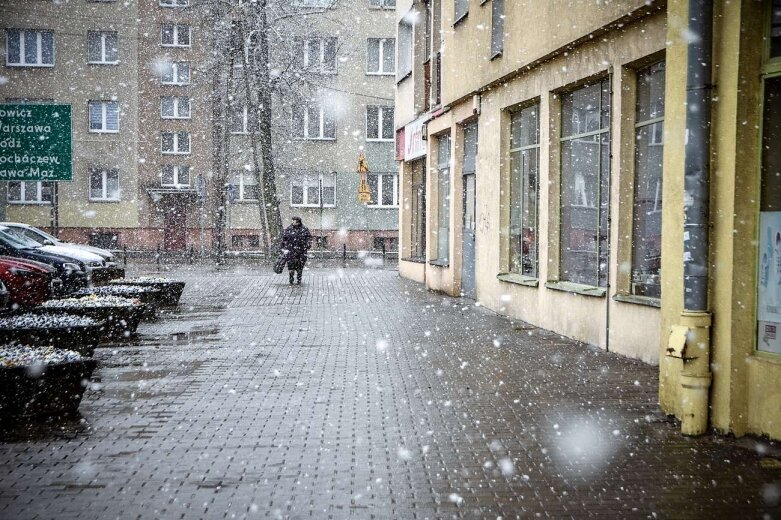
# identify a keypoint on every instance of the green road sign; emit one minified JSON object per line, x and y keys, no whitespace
{"x":35,"y":142}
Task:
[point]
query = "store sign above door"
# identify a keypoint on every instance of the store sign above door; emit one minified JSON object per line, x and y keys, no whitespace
{"x":35,"y":142}
{"x":415,"y":139}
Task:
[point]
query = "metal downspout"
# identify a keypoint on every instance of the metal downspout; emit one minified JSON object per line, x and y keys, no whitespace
{"x":696,"y":375}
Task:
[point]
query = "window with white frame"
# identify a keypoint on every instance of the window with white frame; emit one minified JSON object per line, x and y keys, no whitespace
{"x":104,"y":117}
{"x":246,"y":183}
{"x":175,"y":143}
{"x":385,"y":189}
{"x":174,"y":3}
{"x":444,"y":146}
{"x":381,"y":56}
{"x":175,"y":175}
{"x":311,"y":190}
{"x":404,"y":67}
{"x":176,"y":73}
{"x":316,"y":54}
{"x":29,"y":48}
{"x":313,"y":121}
{"x":104,"y":184}
{"x":174,"y":35}
{"x":382,"y":4}
{"x":175,"y":107}
{"x":102,"y":47}
{"x":30,"y":192}
{"x":244,"y":120}
{"x":379,"y":123}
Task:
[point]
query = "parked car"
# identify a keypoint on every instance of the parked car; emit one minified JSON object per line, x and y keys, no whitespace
{"x":108,"y":271}
{"x":28,"y":282}
{"x":70,"y":271}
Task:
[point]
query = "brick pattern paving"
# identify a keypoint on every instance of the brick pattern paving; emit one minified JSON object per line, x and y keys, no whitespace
{"x":360,"y":395}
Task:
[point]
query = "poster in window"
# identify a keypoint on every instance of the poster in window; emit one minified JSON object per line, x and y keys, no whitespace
{"x":769,"y":289}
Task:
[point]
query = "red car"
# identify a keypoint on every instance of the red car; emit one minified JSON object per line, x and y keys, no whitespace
{"x":28,"y":282}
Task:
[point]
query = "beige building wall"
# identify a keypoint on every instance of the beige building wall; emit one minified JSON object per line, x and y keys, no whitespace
{"x":73,"y":81}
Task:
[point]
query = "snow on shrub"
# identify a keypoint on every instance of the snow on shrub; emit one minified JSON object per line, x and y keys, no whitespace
{"x":23,"y":356}
{"x":44,"y":321}
{"x":92,"y":301}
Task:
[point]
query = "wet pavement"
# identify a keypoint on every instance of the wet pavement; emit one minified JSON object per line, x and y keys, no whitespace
{"x":360,"y":395}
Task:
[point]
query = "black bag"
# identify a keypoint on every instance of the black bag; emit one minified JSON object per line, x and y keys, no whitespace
{"x":279,"y":266}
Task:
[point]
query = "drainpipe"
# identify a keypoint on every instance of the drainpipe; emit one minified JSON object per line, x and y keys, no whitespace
{"x":696,"y":374}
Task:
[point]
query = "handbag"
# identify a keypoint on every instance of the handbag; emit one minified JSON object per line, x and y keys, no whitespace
{"x":279,"y":265}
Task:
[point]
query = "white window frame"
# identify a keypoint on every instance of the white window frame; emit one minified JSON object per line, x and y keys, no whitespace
{"x":104,"y":117}
{"x":177,"y":107}
{"x":311,"y":181}
{"x":240,"y":176}
{"x":104,"y":172}
{"x":382,"y":110}
{"x":177,"y":80}
{"x":319,"y":64}
{"x":102,"y":35}
{"x":176,"y":148}
{"x":177,"y":169}
{"x":23,"y":191}
{"x":378,"y":196}
{"x":22,"y":54}
{"x":174,"y":3}
{"x":321,"y":136}
{"x":176,"y":35}
{"x":382,"y":4}
{"x":381,"y":57}
{"x":245,"y":130}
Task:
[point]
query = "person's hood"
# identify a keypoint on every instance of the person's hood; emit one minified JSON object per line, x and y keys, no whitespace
{"x":90,"y":259}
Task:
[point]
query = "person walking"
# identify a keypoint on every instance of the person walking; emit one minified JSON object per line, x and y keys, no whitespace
{"x":296,"y":240}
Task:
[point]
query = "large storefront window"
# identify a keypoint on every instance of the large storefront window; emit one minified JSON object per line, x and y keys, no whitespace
{"x":647,"y":217}
{"x":443,"y":197}
{"x":524,"y":169}
{"x":418,"y":211}
{"x":585,"y":175}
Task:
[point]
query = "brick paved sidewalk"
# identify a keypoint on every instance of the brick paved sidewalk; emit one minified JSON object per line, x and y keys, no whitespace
{"x":359,"y":395}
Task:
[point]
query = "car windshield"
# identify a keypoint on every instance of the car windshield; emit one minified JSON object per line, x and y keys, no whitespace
{"x":15,"y":241}
{"x":21,"y":237}
{"x":34,"y":234}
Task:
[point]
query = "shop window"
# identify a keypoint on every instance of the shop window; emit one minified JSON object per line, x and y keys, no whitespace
{"x":418,"y":211}
{"x":585,"y":175}
{"x":443,"y":197}
{"x":524,"y":190}
{"x":647,"y":204}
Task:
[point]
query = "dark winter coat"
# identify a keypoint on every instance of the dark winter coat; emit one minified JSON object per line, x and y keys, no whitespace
{"x":296,"y":240}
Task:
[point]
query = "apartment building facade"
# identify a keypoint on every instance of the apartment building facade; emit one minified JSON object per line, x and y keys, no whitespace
{"x":546,"y":181}
{"x":150,"y":81}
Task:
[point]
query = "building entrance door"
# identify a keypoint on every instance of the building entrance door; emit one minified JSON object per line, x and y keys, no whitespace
{"x":175,"y":231}
{"x":469,"y":228}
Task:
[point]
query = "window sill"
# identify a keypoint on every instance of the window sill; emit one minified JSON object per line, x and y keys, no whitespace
{"x":380,"y":73}
{"x":103,"y":201}
{"x":380,"y":140}
{"x":518,"y":279}
{"x":30,"y":65}
{"x":104,"y":131}
{"x":577,"y":288}
{"x":313,"y":206}
{"x":30,"y":202}
{"x":638,"y":300}
{"x":167,"y":118}
{"x":174,"y":153}
{"x":380,"y":206}
{"x":174,"y":84}
{"x":173,"y":46}
{"x":326,"y":139}
{"x":439,"y":263}
{"x":415,"y":260}
{"x":103,"y":63}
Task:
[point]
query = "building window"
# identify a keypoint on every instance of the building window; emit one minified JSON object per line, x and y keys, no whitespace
{"x":382,"y":4}
{"x":104,"y":117}
{"x":103,"y":184}
{"x":29,"y":48}
{"x":405,"y":49}
{"x":176,"y":73}
{"x":174,"y":3}
{"x":173,"y":35}
{"x":102,"y":48}
{"x":497,"y":27}
{"x":175,"y":175}
{"x":585,"y":176}
{"x":418,"y":211}
{"x":384,"y":188}
{"x":379,"y":123}
{"x":244,"y":120}
{"x":30,"y":192}
{"x":381,"y":56}
{"x":311,"y":190}
{"x":524,"y":190}
{"x":175,"y":107}
{"x":443,"y":197}
{"x":246,"y":185}
{"x":173,"y":143}
{"x":316,"y":54}
{"x":461,"y":8}
{"x":313,"y":121}
{"x":647,"y":206}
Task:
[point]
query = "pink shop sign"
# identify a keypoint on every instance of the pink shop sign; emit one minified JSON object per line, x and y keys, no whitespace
{"x":415,"y":139}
